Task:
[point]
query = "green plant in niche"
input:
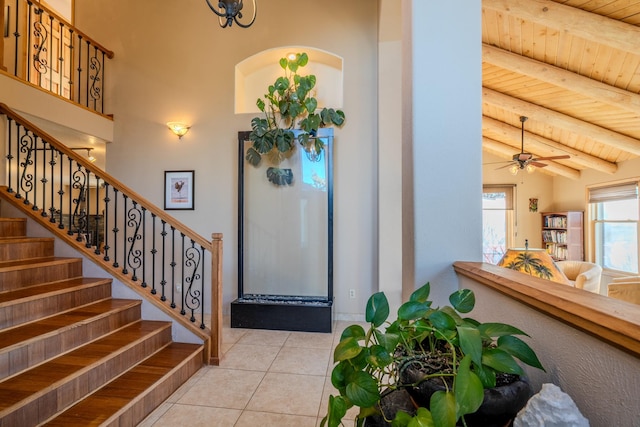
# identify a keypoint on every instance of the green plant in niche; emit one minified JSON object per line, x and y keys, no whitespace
{"x":289,"y":105}
{"x":424,"y":344}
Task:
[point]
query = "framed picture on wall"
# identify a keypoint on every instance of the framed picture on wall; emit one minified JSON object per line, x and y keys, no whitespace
{"x":178,"y":190}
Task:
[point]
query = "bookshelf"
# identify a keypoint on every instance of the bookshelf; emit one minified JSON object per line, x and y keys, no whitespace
{"x":562,"y":235}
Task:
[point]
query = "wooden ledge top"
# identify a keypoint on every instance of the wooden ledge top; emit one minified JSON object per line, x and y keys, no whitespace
{"x":613,"y":321}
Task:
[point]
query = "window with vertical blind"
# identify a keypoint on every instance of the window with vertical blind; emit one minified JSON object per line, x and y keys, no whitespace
{"x":498,"y":213}
{"x":614,"y":216}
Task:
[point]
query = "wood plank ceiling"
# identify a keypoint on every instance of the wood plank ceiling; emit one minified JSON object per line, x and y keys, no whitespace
{"x":573,"y":68}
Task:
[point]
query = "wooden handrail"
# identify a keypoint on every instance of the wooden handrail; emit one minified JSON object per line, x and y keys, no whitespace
{"x":612,"y":321}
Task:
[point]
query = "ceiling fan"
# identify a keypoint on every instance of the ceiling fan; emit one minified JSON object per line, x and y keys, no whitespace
{"x":522,"y":160}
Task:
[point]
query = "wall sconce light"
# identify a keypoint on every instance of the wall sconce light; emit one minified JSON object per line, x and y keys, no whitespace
{"x":178,"y":128}
{"x":89,"y":156}
{"x":230,"y":11}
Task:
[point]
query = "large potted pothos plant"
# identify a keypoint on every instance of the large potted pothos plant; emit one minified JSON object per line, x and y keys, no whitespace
{"x":429,"y":367}
{"x":290,"y":118}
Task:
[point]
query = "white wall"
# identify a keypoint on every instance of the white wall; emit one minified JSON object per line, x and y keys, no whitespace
{"x":390,"y":152}
{"x":175,"y":63}
{"x":444,"y":205}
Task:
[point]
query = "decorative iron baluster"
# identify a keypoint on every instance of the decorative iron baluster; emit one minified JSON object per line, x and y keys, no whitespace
{"x":106,"y":221}
{"x":102,"y":85}
{"x":40,"y":50}
{"x":154,"y":251}
{"x":61,"y":59}
{"x":16,"y":35}
{"x":26,"y":146}
{"x":163,"y":282}
{"x":29,"y":17}
{"x":9,"y":155}
{"x":134,"y":257}
{"x":96,"y":221}
{"x":86,"y":88}
{"x":44,"y":180}
{"x":34,"y":200}
{"x":115,"y":228}
{"x":173,"y":266}
{"x":50,"y":64}
{"x":96,"y":67}
{"x":70,"y":210}
{"x":193,"y":259}
{"x":78,"y":219}
{"x":124,"y":238}
{"x":182,"y":276}
{"x":144,"y":247}
{"x":201,"y":278}
{"x":71,"y":56}
{"x":61,"y":190}
{"x":79,"y":68}
{"x":87,"y":209}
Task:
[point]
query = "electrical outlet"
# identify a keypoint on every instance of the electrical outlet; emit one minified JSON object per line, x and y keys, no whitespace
{"x":352,"y":293}
{"x":178,"y":286}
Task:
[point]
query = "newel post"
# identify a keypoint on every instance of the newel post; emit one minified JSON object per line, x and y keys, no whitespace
{"x":215,"y":342}
{"x":2,"y":11}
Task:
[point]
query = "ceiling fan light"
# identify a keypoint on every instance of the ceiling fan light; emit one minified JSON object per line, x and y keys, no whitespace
{"x":514,"y":169}
{"x":531,"y":168}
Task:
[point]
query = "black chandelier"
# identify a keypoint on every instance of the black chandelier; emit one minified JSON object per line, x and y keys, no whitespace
{"x":230,"y":11}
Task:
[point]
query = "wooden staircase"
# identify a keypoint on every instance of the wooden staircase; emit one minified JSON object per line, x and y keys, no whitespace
{"x":70,"y":355}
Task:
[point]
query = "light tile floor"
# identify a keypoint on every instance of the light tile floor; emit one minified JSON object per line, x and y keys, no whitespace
{"x":266,"y":379}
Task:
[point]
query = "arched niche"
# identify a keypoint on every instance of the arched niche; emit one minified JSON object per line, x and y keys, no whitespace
{"x":254,"y":75}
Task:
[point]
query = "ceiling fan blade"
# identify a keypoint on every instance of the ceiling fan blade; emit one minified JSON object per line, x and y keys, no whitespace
{"x":536,"y":164}
{"x":523,"y":157}
{"x":497,"y":163}
{"x":506,"y":166}
{"x":552,"y":158}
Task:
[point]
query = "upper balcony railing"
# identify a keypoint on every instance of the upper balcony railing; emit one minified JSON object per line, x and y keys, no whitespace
{"x":43,"y":49}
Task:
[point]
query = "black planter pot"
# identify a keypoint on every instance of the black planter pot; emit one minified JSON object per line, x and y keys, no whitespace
{"x":501,"y":404}
{"x":391,"y":402}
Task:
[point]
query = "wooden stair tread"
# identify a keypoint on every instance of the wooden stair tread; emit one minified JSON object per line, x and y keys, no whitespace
{"x":41,"y":328}
{"x":32,"y":383}
{"x":34,"y":262}
{"x":34,"y":292}
{"x":24,"y":239}
{"x":116,"y":396}
{"x":70,"y":354}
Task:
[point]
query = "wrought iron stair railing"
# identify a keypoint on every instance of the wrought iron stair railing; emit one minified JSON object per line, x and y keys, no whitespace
{"x":138,"y":243}
{"x":43,"y":49}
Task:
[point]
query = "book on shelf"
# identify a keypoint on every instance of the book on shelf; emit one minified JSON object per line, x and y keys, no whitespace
{"x":555,"y":221}
{"x":554,"y":236}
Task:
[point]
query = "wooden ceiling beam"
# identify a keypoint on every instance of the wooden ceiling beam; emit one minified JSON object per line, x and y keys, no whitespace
{"x":544,"y":147}
{"x":556,"y":119}
{"x":585,"y":86}
{"x":573,"y":21}
{"x":507,"y":151}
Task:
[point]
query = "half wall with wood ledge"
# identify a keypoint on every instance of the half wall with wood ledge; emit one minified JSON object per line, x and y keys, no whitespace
{"x":589,"y":344}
